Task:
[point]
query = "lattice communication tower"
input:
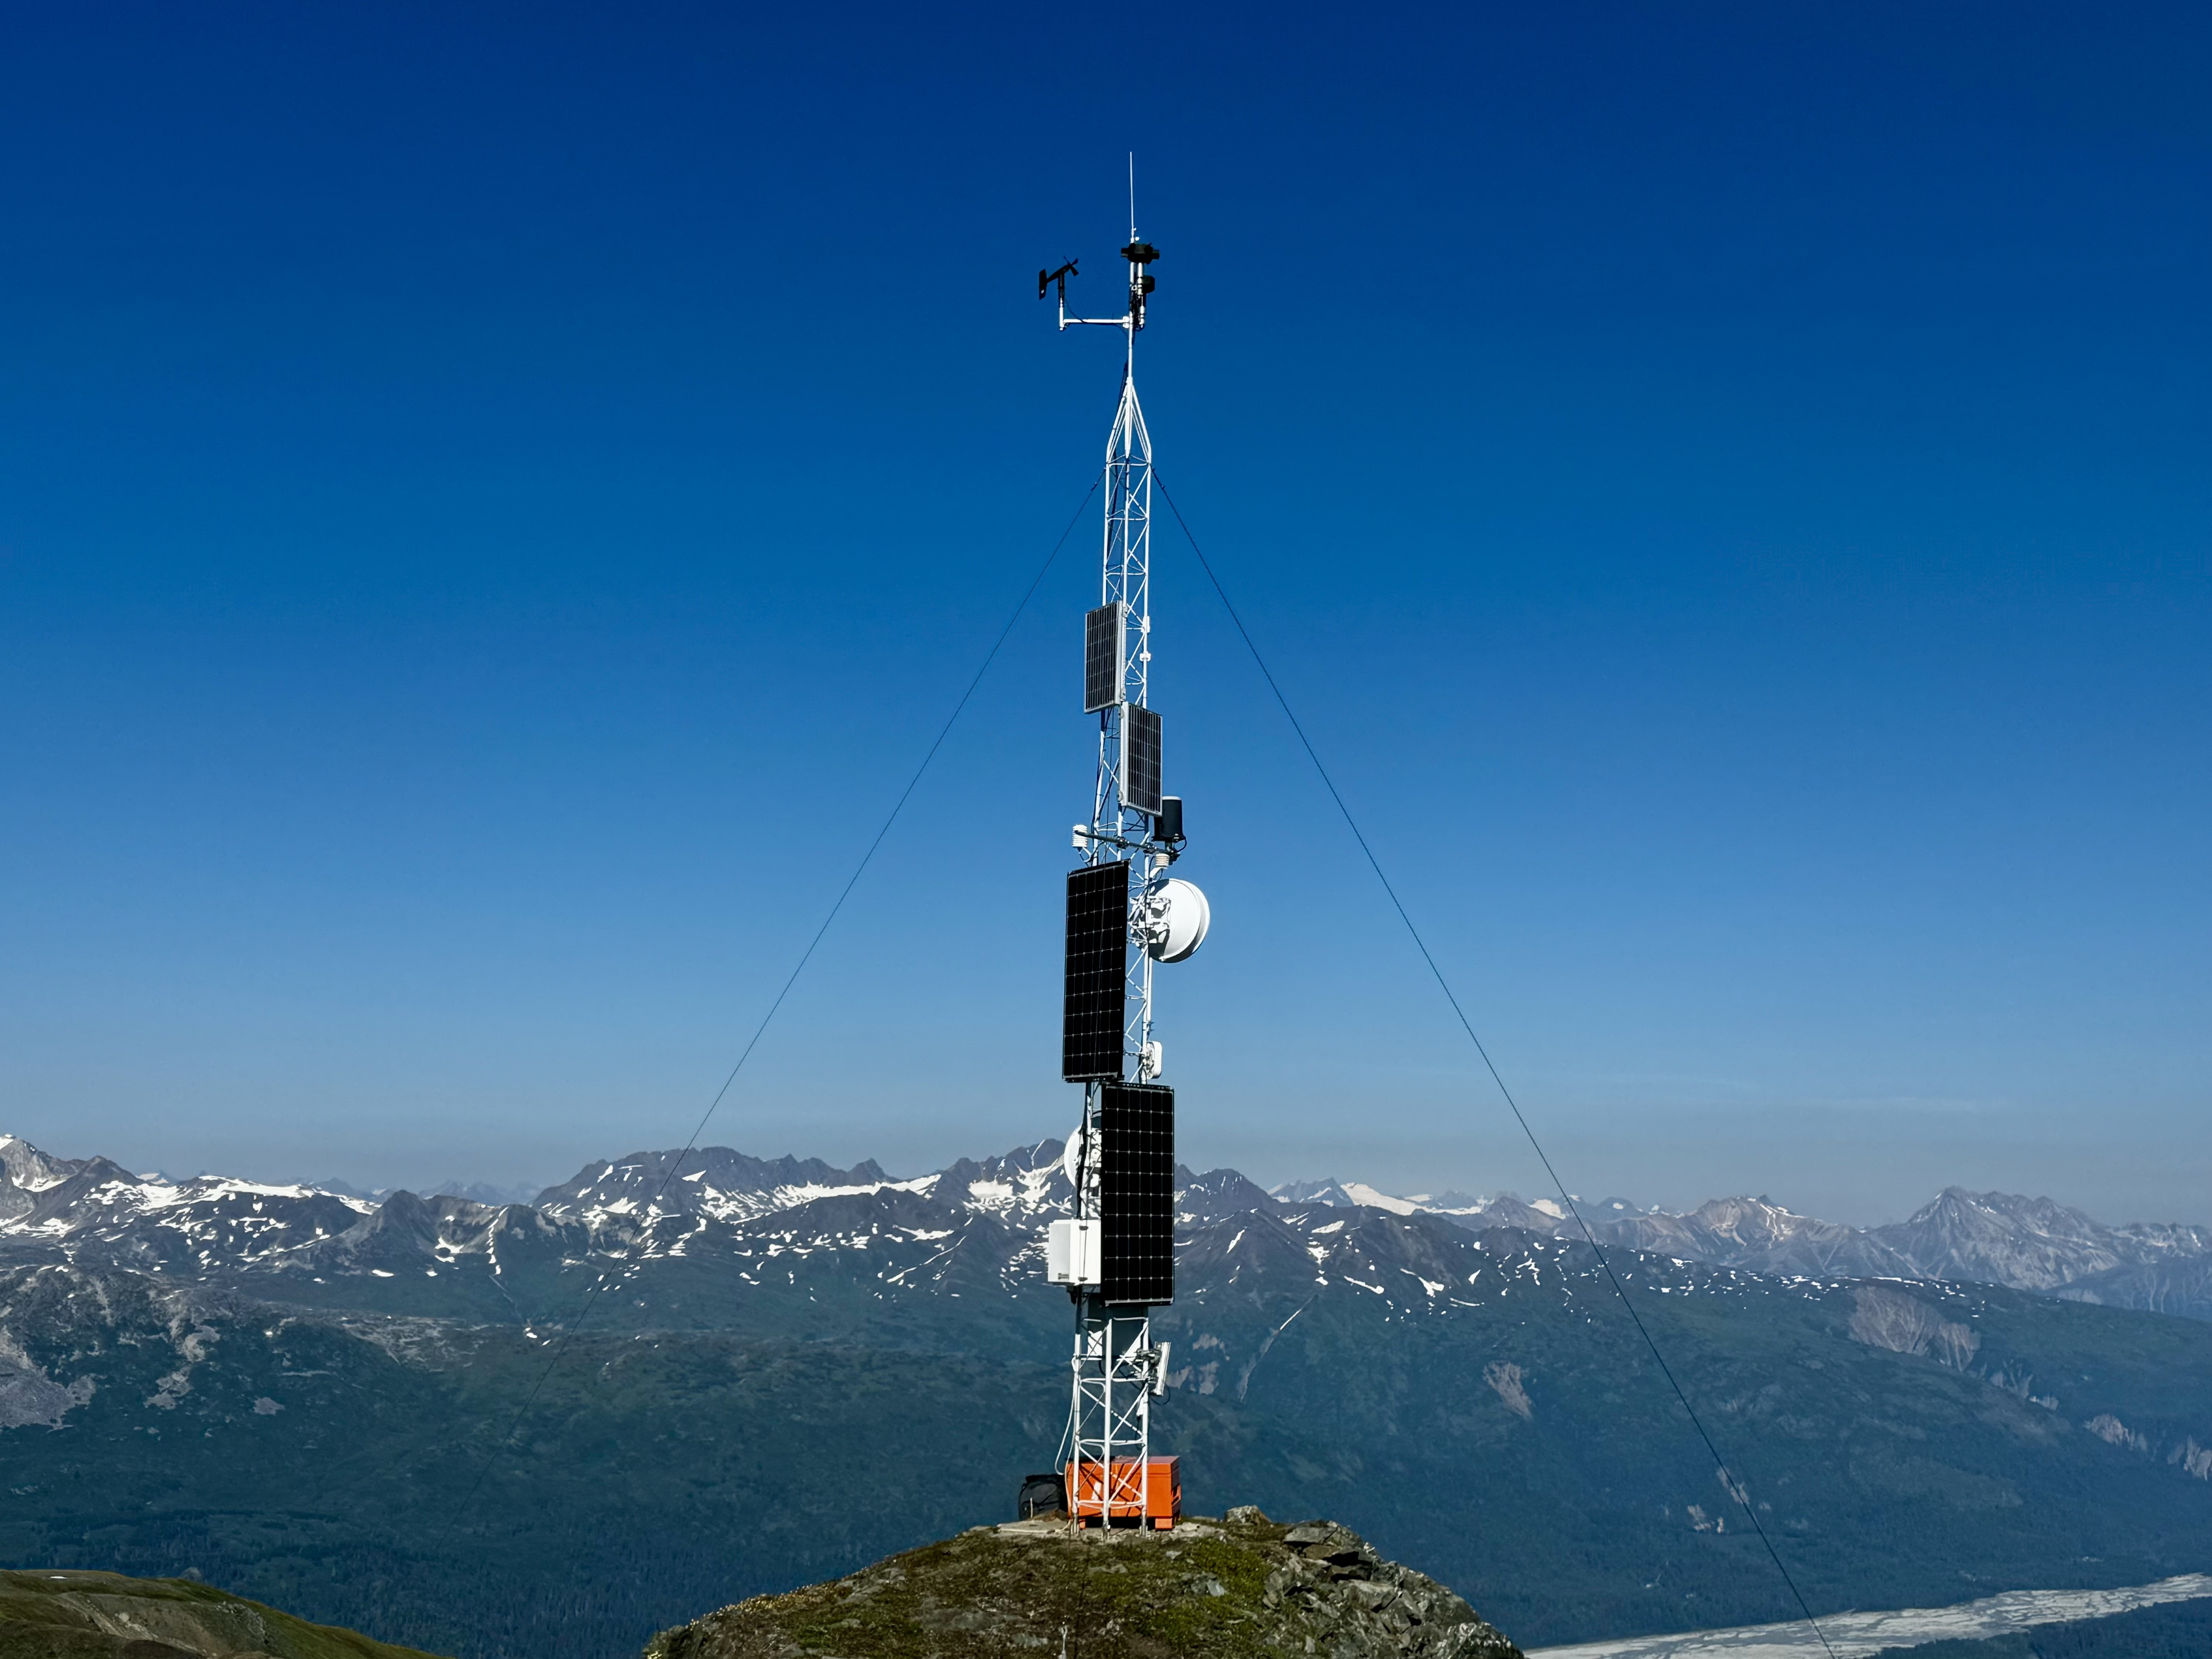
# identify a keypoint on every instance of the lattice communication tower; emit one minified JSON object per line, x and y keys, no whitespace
{"x":1125,"y":914}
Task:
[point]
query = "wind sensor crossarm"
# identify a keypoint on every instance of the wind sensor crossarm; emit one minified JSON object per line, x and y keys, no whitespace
{"x":1141,"y":283}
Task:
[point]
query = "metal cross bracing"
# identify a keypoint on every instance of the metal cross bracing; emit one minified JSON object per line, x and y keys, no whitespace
{"x":1115,"y":1372}
{"x":1115,"y":1367}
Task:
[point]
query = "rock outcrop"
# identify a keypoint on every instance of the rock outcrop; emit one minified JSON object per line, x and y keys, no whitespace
{"x":1239,"y":1587}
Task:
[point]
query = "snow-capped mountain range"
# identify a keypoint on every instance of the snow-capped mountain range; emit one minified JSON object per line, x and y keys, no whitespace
{"x":95,"y":1211}
{"x":718,"y":1223}
{"x":1993,"y":1238}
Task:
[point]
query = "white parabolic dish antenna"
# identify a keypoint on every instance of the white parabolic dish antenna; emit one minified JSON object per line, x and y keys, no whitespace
{"x":1072,"y":1160}
{"x":1182,"y":916}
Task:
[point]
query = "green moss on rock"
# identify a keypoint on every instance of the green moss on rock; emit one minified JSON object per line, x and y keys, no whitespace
{"x":1240,"y":1587}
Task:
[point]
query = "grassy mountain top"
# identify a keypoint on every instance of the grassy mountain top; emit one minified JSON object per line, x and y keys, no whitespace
{"x":1241,"y":1588}
{"x":105,"y":1615}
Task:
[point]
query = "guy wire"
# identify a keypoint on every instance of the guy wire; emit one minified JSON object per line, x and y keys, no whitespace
{"x":1736,"y":1489}
{"x":591,"y":1300}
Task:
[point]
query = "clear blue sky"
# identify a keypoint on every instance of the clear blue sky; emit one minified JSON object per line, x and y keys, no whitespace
{"x":495,"y":500}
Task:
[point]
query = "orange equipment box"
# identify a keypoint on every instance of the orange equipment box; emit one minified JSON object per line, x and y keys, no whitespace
{"x":1151,"y":1497}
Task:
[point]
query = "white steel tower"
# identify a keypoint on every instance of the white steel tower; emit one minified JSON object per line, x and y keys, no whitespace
{"x":1125,"y":913}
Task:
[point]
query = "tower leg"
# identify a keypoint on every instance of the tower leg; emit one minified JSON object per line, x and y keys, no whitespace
{"x":1112,"y":1415}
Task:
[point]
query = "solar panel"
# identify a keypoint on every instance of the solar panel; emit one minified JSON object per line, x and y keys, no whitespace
{"x":1104,"y":642}
{"x":1140,"y":759}
{"x":1098,"y":963}
{"x":1136,"y":1191}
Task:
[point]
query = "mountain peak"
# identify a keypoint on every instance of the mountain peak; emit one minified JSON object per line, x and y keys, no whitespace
{"x":2007,"y":1238}
{"x":30,"y":1170}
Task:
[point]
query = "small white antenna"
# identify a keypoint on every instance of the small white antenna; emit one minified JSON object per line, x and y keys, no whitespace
{"x":1133,"y":195}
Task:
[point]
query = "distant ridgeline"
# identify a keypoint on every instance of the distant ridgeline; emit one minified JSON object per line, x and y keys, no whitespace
{"x":796,"y":1370}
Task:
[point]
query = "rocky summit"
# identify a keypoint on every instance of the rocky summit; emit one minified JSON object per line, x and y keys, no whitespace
{"x":1239,"y":1586}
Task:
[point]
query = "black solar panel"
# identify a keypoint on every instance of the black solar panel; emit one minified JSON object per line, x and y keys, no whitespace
{"x":1136,"y":1193}
{"x":1140,"y":759}
{"x":1098,"y":963}
{"x":1103,"y":646}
